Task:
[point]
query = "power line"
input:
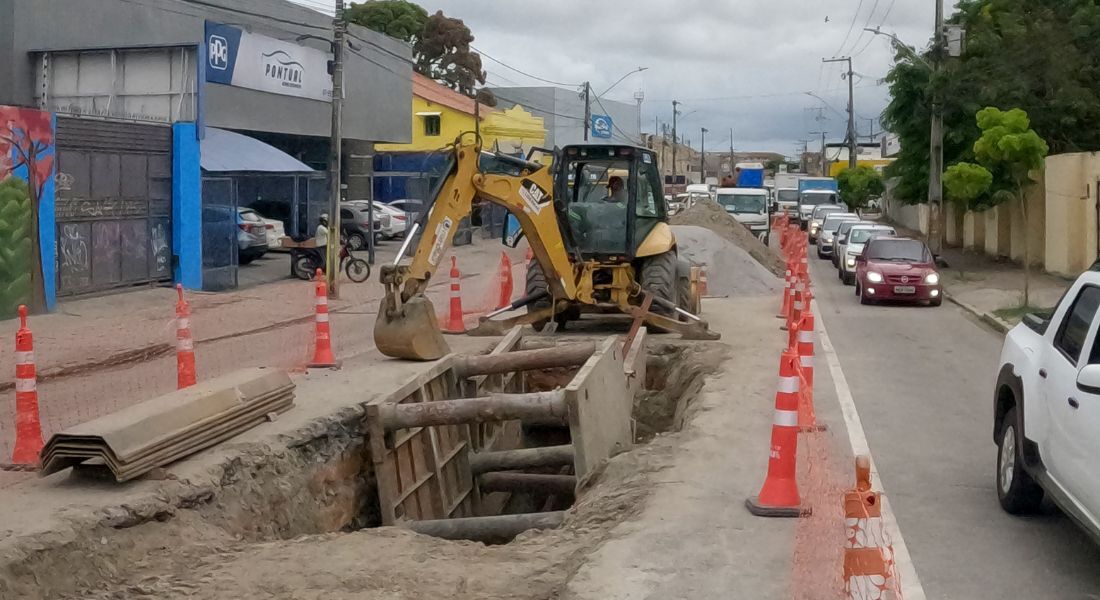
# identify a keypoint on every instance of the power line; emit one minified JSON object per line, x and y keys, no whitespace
{"x":852,"y":26}
{"x":521,"y":72}
{"x":529,"y":106}
{"x":881,"y":22}
{"x":750,"y":96}
{"x":616,"y":127}
{"x":863,"y":30}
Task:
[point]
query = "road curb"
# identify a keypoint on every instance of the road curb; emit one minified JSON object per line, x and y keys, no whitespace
{"x":997,"y":324}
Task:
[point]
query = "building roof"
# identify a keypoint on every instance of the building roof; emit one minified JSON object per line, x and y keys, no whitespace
{"x":225,"y":151}
{"x":438,"y":93}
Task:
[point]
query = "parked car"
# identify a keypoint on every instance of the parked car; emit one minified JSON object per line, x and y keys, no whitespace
{"x":1046,"y":409}
{"x":355,"y":224}
{"x":841,"y":233}
{"x":412,"y":208}
{"x":818,"y":217}
{"x":251,"y":237}
{"x":852,"y":246}
{"x":828,"y":231}
{"x":275,"y":233}
{"x":399,"y":220}
{"x":892,"y":268}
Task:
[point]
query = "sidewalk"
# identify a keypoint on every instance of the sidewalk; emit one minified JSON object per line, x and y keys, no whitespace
{"x":992,"y":288}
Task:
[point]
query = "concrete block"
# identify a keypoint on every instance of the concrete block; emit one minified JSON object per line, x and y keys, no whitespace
{"x":600,"y":405}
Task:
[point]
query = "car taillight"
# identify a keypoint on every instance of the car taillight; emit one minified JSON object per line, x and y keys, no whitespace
{"x":270,"y":227}
{"x":400,"y":217}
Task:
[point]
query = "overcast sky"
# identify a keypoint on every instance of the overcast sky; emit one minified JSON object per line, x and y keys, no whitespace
{"x":733,"y":63}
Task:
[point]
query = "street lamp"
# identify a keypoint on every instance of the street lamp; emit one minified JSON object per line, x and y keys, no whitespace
{"x":638,"y":70}
{"x":703,"y":154}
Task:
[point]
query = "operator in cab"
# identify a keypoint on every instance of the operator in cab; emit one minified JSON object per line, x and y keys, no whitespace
{"x":616,"y":190}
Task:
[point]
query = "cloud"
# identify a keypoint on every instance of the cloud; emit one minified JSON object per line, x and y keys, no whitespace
{"x":744,"y":65}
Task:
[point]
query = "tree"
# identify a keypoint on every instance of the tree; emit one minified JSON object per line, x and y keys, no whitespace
{"x":859,"y":185}
{"x":1009,"y":153}
{"x":396,"y":18}
{"x":443,"y":53}
{"x":1037,"y":55}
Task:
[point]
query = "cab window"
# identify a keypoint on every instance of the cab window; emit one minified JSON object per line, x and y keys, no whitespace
{"x":1075,"y":326}
{"x":649,"y":189}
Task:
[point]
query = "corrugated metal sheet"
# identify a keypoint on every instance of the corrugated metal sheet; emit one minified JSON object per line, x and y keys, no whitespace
{"x":230,"y":152}
{"x":120,"y":136}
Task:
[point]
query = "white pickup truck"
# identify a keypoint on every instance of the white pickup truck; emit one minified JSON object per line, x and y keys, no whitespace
{"x":1047,"y":409}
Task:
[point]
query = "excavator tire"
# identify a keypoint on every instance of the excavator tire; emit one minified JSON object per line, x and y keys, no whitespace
{"x":659,"y":278}
{"x":685,"y":300}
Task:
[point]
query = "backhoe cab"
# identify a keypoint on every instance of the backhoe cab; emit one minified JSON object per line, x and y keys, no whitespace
{"x":597,"y":224}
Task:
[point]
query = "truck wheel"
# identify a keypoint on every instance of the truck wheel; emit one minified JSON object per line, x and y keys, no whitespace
{"x":658,"y":277}
{"x":685,"y":299}
{"x":536,"y":282}
{"x":1016,"y":490}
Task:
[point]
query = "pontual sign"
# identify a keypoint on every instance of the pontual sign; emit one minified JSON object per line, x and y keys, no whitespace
{"x":249,"y":60}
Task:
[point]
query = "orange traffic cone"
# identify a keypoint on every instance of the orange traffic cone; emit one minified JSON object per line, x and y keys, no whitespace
{"x":185,"y":344}
{"x":779,"y":495}
{"x":322,"y":348}
{"x":505,"y":281}
{"x":28,"y":426}
{"x":868,"y":554}
{"x":788,"y":283}
{"x":807,"y":416}
{"x":454,"y":318}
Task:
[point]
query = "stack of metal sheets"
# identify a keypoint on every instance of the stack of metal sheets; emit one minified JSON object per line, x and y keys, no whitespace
{"x":133,"y":441}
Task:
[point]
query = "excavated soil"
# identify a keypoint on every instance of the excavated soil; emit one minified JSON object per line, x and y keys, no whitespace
{"x":708,"y":214}
{"x":201,"y":553}
{"x":731,"y":271}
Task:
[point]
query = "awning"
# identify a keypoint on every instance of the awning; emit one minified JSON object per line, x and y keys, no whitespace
{"x":429,"y":113}
{"x":228,"y":152}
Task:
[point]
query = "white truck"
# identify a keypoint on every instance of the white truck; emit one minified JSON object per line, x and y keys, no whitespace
{"x":786,"y":191}
{"x":749,"y":206}
{"x":1046,"y":417}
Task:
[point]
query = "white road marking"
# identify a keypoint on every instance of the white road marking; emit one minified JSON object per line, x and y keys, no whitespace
{"x":911,"y":588}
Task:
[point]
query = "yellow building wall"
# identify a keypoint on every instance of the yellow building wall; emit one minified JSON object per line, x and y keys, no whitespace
{"x":452,"y":122}
{"x":837,"y":167}
{"x":513,"y":130}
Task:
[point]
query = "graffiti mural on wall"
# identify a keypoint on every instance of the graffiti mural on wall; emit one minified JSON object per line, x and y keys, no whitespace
{"x":26,"y":193}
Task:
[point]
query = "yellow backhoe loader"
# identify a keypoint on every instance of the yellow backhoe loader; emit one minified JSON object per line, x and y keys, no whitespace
{"x":597,"y":224}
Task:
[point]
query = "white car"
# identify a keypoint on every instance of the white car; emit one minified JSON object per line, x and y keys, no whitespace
{"x":1046,"y":409}
{"x":399,"y":220}
{"x":749,"y":206}
{"x":852,"y":247}
{"x":275,"y":234}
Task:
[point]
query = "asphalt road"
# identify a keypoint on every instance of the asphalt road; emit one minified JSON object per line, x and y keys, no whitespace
{"x":922,"y":379}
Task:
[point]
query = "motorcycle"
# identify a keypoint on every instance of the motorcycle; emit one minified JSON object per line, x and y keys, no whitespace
{"x":305,"y":260}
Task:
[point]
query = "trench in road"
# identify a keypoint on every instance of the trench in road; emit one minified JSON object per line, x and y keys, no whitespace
{"x":922,"y":379}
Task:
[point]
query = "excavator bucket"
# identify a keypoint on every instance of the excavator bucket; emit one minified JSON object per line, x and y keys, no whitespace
{"x":410,"y":332}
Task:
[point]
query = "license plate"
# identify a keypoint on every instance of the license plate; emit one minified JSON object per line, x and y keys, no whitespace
{"x":905,"y":289}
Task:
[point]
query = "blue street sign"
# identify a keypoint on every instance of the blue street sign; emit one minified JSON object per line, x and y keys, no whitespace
{"x":601,"y":126}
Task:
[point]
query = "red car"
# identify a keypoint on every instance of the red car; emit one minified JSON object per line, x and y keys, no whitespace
{"x":898,"y":269}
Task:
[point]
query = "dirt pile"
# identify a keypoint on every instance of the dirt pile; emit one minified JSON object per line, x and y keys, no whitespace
{"x":731,"y":271}
{"x":708,"y":214}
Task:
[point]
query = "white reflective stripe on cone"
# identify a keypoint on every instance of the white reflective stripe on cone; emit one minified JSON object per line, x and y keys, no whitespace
{"x":806,"y":361}
{"x":25,"y":385}
{"x":786,"y":418}
{"x":24,"y":358}
{"x":865,"y":533}
{"x":321,"y":301}
{"x":798,"y":305}
{"x":870,"y":587}
{"x":183,"y":323}
{"x":788,"y":385}
{"x":185,"y":345}
{"x":322,"y":317}
{"x":806,"y":336}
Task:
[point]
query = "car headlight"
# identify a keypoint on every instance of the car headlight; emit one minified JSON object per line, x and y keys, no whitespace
{"x":874,"y":277}
{"x":813,"y":228}
{"x":932,"y":279}
{"x":851,"y":262}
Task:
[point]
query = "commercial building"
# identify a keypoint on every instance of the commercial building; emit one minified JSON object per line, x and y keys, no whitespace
{"x":130,"y":87}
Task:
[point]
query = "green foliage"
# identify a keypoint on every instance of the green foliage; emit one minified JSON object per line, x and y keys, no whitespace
{"x":443,"y":54}
{"x":1008,"y":141}
{"x":859,"y":185}
{"x":16,"y":251}
{"x":1037,"y":55}
{"x":396,"y":18}
{"x":966,"y":182}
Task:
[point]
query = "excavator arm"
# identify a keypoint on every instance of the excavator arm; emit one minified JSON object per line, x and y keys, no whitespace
{"x":407,"y":326}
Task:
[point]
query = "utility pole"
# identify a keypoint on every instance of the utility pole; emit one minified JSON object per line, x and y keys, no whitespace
{"x":731,"y":151}
{"x":703,"y":155}
{"x":587,"y":109}
{"x":674,"y":140}
{"x":935,"y":164}
{"x":823,"y":161}
{"x":852,"y":140}
{"x":332,"y":258}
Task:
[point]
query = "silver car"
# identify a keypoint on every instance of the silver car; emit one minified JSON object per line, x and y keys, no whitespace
{"x":851,"y":246}
{"x":251,"y":235}
{"x":828,"y":230}
{"x":842,"y":233}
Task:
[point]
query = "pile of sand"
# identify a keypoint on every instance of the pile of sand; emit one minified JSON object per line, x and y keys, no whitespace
{"x":708,"y":214}
{"x":731,"y":271}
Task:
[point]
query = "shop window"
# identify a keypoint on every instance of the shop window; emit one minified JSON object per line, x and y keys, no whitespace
{"x":432,"y":125}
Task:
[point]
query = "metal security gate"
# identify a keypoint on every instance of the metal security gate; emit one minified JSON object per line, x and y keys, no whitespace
{"x":114,"y":204}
